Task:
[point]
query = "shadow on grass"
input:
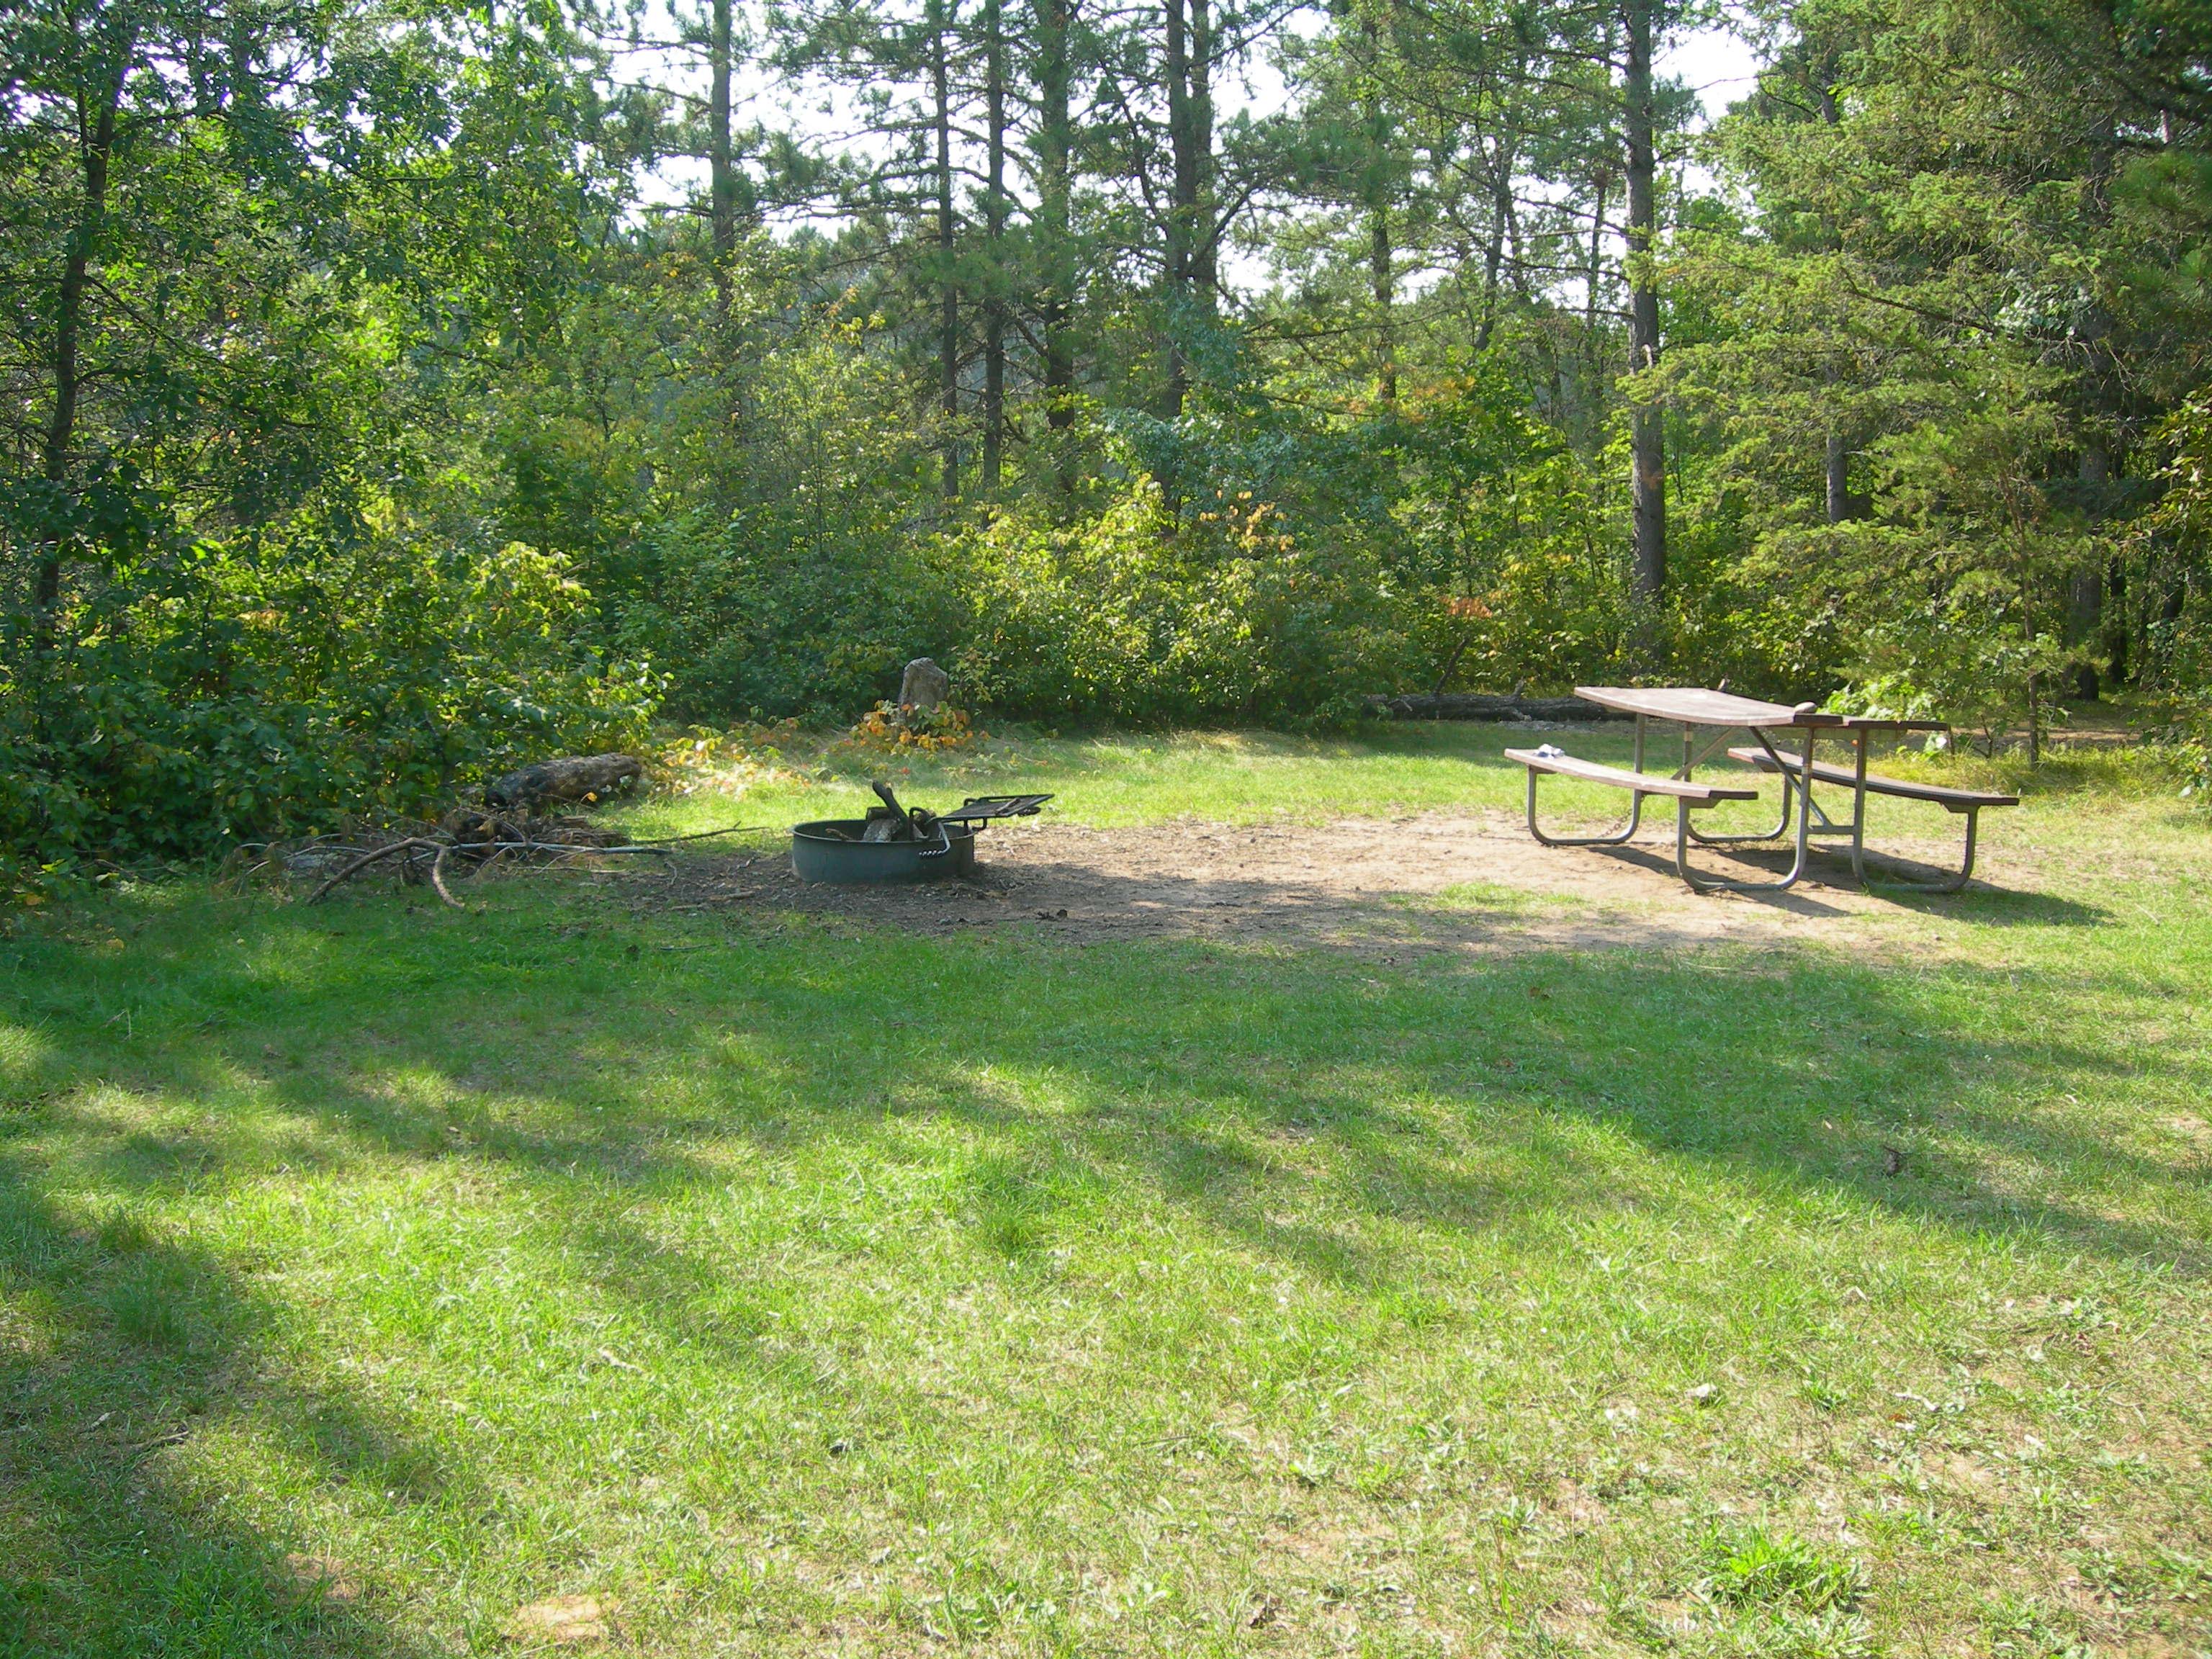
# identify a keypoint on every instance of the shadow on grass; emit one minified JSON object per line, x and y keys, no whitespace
{"x":142,"y":1345}
{"x":605,"y":1083}
{"x":1788,"y":1063}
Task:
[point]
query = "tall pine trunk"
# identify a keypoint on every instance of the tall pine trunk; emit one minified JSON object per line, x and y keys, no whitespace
{"x":1181,"y":209}
{"x":1836,"y":461}
{"x":948,"y":323}
{"x":1205,"y":232}
{"x":1837,"y":464}
{"x":2087,"y":624}
{"x":1385,"y":287}
{"x":2085,"y":607}
{"x":1493,"y":252}
{"x":1055,"y":239}
{"x":1193,"y":237}
{"x":1647,"y":433}
{"x":995,"y":226}
{"x":722,"y":173}
{"x":1381,"y":275}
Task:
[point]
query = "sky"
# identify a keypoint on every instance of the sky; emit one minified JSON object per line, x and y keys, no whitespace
{"x":1718,"y":63}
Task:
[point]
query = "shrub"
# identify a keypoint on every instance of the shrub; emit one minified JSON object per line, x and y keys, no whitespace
{"x":889,"y":728}
{"x":239,"y":697}
{"x":1149,"y":615}
{"x":2167,"y":564}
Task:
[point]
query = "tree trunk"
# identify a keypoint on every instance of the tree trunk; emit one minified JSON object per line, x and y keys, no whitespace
{"x":1381,"y":275}
{"x":1841,"y":509}
{"x":1193,"y":255}
{"x":1182,"y":199}
{"x":1379,"y":270}
{"x":995,"y":225}
{"x":1839,"y":479}
{"x":722,"y":175}
{"x":2086,"y":592}
{"x":948,"y":344}
{"x":1205,"y":232}
{"x":2100,"y":389}
{"x":1054,"y":228}
{"x":1647,"y":438}
{"x":1594,"y":267}
{"x":95,"y":148}
{"x":1493,"y":253}
{"x":2116,"y":621}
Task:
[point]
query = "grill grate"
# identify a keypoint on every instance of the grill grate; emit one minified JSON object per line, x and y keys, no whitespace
{"x":981,"y":809}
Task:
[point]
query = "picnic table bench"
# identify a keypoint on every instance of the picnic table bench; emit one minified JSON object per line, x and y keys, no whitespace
{"x":1643,"y":783}
{"x":1967,"y":802}
{"x":1694,"y":709}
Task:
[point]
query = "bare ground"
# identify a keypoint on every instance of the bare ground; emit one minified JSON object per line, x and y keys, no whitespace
{"x":1420,"y":885}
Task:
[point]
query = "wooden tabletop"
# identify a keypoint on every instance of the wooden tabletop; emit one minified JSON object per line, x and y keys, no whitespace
{"x":1693,"y":705}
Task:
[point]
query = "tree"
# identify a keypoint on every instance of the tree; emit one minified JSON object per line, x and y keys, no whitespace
{"x":1641,"y":22}
{"x":1940,"y":194}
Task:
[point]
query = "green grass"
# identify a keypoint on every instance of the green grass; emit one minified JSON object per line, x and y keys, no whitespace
{"x":1227,"y":777}
{"x":1244,"y":777}
{"x":802,"y":1289}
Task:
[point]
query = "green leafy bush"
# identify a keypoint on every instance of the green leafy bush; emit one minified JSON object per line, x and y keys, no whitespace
{"x":1263,"y":564}
{"x":2166,"y":558}
{"x":218,"y":696}
{"x":757,"y":516}
{"x":1148,"y":615}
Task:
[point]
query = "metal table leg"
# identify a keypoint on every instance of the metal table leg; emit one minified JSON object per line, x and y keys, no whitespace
{"x":1699,"y":884}
{"x":1948,"y":883}
{"x":1798,"y":863}
{"x":1781,"y":823}
{"x":1858,"y":806}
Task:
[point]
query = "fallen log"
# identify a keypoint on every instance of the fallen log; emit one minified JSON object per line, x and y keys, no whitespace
{"x":589,"y":778}
{"x":1483,"y":706}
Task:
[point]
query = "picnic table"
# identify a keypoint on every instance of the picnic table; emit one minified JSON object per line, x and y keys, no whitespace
{"x":1701,"y":715}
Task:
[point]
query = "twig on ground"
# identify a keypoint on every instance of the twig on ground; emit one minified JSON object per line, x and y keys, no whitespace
{"x":702,"y":835}
{"x":437,"y":855}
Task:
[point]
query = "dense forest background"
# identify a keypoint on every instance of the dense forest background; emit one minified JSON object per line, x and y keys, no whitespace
{"x":378,"y":410}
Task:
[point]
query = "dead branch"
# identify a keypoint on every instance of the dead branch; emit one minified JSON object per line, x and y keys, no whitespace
{"x":438,"y":878}
{"x":467,"y":843}
{"x":372,"y":856}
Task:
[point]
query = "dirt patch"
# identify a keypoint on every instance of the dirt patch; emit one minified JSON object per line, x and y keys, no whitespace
{"x":322,"y":1577}
{"x":563,"y":1621}
{"x":1426,"y":884}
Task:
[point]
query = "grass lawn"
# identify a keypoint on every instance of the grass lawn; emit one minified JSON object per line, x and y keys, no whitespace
{"x":369,"y":1272}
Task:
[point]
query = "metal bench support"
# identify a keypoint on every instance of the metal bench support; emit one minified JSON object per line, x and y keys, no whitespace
{"x":1701,"y":885}
{"x":1683,"y":834}
{"x":1800,"y":778}
{"x":1635,"y":810}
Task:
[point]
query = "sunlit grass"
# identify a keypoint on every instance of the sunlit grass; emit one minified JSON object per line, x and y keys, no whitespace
{"x":2118,"y":800}
{"x":1228,"y":777}
{"x":799,"y":1287}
